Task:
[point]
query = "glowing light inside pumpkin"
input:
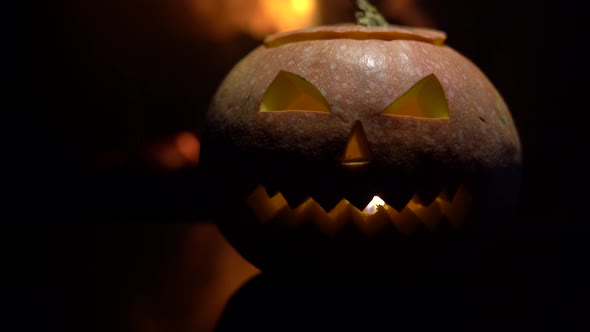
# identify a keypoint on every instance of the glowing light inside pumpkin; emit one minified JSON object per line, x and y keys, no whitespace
{"x":374,"y":205}
{"x":373,"y":218}
{"x":426,"y":99}
{"x":357,"y":151}
{"x":291,"y":92}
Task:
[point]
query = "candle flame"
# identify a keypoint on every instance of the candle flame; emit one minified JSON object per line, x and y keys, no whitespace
{"x":374,"y":205}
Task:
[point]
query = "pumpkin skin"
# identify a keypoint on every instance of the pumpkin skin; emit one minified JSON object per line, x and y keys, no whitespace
{"x":306,"y":129}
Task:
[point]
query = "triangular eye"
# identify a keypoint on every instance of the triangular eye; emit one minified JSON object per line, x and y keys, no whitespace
{"x":291,"y":92}
{"x":426,"y":99}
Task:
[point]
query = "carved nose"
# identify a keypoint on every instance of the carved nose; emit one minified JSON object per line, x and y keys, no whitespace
{"x":357,"y":152}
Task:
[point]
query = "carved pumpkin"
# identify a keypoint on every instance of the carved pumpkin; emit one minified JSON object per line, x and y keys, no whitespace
{"x":352,"y":147}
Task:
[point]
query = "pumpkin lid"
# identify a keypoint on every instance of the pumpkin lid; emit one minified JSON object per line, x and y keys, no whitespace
{"x":357,"y":32}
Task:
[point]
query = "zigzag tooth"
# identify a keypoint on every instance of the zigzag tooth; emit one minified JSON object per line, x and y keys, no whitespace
{"x":391,"y":212}
{"x":397,"y":197}
{"x":444,"y":196}
{"x":259,"y":203}
{"x":449,"y":192}
{"x":457,"y":209}
{"x":343,"y":212}
{"x":310,"y":210}
{"x":430,"y":215}
{"x":266,"y":209}
{"x":284,"y":212}
{"x":406,"y":221}
{"x":356,"y":214}
{"x":375,"y":222}
{"x":427,"y":196}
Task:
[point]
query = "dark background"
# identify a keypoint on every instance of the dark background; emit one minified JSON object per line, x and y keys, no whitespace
{"x":110,"y":81}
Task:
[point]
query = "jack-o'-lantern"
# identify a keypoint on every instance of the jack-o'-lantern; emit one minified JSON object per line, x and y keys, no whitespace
{"x":353,"y":147}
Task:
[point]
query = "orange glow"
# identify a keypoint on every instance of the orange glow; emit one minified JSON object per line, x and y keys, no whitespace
{"x":225,"y":19}
{"x":180,"y":151}
{"x":222,"y":20}
{"x":289,"y":14}
{"x":188,"y":146}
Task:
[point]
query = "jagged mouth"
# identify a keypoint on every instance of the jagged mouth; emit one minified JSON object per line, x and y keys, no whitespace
{"x":378,"y":214}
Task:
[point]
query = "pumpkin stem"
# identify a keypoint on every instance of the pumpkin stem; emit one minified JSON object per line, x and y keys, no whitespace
{"x":368,"y":15}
